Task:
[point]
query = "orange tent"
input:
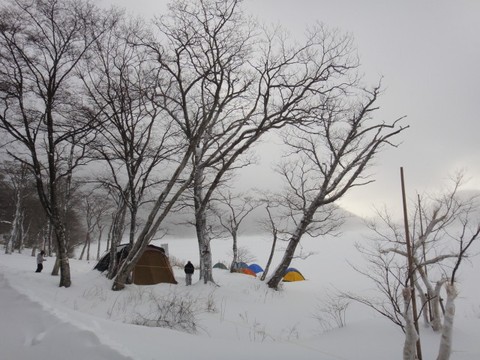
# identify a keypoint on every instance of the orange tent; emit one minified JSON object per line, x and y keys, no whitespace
{"x":247,"y":271}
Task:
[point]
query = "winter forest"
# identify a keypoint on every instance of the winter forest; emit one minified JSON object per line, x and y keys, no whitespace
{"x":116,"y":130}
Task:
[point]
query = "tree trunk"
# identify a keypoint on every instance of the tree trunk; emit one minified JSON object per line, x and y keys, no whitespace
{"x":270,"y":258}
{"x":10,"y":240}
{"x":294,"y":241}
{"x":62,"y":254}
{"x":118,"y":225}
{"x":99,"y":242}
{"x":286,"y":261}
{"x":425,"y":304}
{"x":88,"y":246}
{"x":411,"y":336}
{"x":22,"y":233}
{"x":201,"y":220}
{"x":433,"y":297}
{"x":133,"y":223}
{"x":84,"y":247}
{"x":445,"y":348}
{"x":203,"y":246}
{"x":234,"y":251}
{"x":56,"y":267}
{"x":47,"y":242}
{"x":436,"y":311}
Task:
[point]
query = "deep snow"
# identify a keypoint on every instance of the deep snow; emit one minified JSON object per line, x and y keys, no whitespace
{"x":240,"y":318}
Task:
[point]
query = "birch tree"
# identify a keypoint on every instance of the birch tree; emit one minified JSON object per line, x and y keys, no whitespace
{"x":435,"y":218}
{"x":95,"y":207}
{"x":136,"y":139}
{"x":411,"y":335}
{"x":237,"y":209}
{"x":19,"y":180}
{"x":445,"y":227}
{"x":240,"y":80}
{"x":41,"y":43}
{"x":330,"y":155}
{"x":466,"y":235}
{"x":120,"y":83}
{"x":271,"y":226}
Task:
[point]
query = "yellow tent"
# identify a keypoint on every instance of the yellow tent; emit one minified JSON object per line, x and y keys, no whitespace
{"x":293,"y":276}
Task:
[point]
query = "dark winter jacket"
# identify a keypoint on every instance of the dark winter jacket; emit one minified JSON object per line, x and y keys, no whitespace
{"x":189,"y":269}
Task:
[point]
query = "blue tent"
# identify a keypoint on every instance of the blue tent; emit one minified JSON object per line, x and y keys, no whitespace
{"x":255,"y":268}
{"x":240,"y":265}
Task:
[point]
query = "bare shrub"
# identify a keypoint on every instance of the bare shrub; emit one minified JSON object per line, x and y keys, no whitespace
{"x":172,"y":312}
{"x":257,"y":332}
{"x":331,"y":311}
{"x":210,"y":304}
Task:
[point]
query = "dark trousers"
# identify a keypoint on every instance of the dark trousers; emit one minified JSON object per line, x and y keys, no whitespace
{"x":39,"y":268}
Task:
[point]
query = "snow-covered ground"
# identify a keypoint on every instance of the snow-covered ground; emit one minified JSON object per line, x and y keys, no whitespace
{"x":238,"y":319}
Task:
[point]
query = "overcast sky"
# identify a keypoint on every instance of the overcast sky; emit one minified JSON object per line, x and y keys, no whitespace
{"x":428,"y":53}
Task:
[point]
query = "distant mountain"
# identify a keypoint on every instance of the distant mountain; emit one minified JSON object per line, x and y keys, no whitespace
{"x":178,"y":224}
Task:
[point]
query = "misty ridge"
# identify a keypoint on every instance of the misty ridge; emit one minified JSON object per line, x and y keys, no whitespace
{"x":180,"y":224}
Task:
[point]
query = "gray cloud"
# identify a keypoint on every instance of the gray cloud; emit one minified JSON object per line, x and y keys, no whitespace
{"x":428,"y":54}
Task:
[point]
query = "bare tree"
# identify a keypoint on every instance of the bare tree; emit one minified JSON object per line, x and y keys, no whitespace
{"x":330,"y":155}
{"x":238,"y":208}
{"x":120,"y":82}
{"x":411,"y":334}
{"x":239,"y":82}
{"x":95,"y":206}
{"x":41,"y":43}
{"x":388,"y":275}
{"x":272,"y":227}
{"x":122,"y":85}
{"x":435,"y":217}
{"x":117,"y":228}
{"x":445,"y":226}
{"x":466,"y":234}
{"x":19,"y":180}
{"x":206,"y":57}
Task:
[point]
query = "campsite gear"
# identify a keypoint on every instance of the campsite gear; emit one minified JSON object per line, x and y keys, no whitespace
{"x":293,"y":275}
{"x":153,"y":267}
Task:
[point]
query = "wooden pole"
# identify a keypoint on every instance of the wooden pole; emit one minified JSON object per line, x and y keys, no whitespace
{"x":410,"y":264}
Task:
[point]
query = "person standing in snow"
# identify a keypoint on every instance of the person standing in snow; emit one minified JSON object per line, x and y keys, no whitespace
{"x":189,"y":270}
{"x":40,"y":260}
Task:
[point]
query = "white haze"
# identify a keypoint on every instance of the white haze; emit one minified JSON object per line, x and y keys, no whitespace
{"x":238,"y":319}
{"x":426,"y":53}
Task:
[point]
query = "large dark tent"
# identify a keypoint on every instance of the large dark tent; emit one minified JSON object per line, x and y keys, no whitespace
{"x":153,"y":267}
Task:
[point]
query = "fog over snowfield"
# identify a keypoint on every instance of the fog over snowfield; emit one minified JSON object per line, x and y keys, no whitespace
{"x":240,"y":318}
